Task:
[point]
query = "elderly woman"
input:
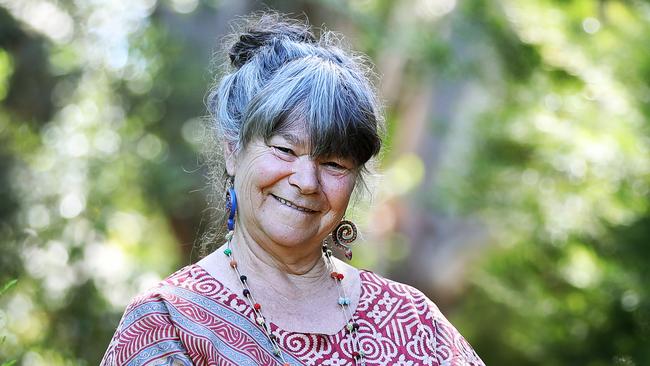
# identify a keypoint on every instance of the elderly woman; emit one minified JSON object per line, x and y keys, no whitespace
{"x":297,"y":120}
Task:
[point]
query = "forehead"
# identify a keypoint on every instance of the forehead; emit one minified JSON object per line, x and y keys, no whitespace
{"x":296,"y":135}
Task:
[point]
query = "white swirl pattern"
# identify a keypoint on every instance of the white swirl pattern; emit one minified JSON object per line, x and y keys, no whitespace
{"x":201,"y":319}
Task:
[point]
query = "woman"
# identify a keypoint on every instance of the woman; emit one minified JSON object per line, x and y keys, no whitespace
{"x":298,"y":121}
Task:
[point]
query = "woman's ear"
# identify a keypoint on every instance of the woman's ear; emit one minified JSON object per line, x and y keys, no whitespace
{"x":230,"y":157}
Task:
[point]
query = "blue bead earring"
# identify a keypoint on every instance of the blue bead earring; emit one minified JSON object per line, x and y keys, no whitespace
{"x":231,"y":206}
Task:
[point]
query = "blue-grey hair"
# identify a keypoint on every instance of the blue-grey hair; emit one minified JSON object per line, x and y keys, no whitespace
{"x":280,"y":74}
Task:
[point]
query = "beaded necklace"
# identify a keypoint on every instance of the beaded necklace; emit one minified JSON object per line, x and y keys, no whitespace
{"x":351,"y":326}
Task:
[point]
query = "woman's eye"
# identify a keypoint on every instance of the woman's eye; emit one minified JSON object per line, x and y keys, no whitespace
{"x":335,"y":165}
{"x":284,"y":150}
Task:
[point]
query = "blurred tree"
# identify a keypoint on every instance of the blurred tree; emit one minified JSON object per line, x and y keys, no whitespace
{"x":559,"y":172}
{"x":517,"y":165}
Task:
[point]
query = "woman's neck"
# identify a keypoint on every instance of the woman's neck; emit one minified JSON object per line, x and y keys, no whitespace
{"x":298,"y":266}
{"x":301,"y":300}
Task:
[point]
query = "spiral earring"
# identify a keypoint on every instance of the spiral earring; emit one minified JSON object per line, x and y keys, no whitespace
{"x":343,"y":236}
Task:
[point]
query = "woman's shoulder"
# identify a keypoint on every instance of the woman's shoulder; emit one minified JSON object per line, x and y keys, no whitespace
{"x":147,"y":330}
{"x":390,"y":304}
{"x":377,"y":286}
{"x":191,"y":279}
{"x":379,"y":291}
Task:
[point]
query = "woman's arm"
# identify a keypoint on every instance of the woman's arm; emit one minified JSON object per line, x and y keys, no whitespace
{"x":146,"y":336}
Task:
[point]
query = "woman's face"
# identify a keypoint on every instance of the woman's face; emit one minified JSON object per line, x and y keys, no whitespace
{"x":284,"y":196}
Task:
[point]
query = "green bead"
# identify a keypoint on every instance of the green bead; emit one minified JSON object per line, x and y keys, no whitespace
{"x":349,"y":326}
{"x":276,"y":352}
{"x":227,"y":252}
{"x":229,"y":235}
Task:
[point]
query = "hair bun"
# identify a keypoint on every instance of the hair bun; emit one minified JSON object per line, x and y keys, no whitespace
{"x":262,"y":32}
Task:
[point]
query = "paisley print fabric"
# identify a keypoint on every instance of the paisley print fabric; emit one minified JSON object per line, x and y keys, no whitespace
{"x":190,"y":318}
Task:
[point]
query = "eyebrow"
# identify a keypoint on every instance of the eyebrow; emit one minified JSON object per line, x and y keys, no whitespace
{"x":293,"y":139}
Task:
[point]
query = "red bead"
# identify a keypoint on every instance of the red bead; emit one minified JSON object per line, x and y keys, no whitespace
{"x":334,"y":275}
{"x":339,"y":276}
{"x":257,"y":306}
{"x":355,"y":354}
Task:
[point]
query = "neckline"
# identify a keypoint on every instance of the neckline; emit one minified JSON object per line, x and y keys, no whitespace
{"x":245,"y":312}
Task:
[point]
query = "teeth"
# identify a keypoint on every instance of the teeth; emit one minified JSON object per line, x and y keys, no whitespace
{"x":285,"y":202}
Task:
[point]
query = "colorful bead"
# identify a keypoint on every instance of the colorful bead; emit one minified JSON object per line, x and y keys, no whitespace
{"x":350,"y":327}
{"x":229,"y":235}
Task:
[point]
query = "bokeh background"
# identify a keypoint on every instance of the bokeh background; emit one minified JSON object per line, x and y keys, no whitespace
{"x":514,"y":187}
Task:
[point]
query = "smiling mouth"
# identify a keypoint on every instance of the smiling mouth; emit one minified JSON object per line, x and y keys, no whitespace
{"x":292,"y":205}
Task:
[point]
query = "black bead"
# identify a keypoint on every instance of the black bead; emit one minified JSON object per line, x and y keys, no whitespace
{"x":355,"y":326}
{"x":324,"y":248}
{"x":242,"y":278}
{"x":247,"y":292}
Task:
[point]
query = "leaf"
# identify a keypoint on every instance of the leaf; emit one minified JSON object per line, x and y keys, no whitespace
{"x":6,"y":287}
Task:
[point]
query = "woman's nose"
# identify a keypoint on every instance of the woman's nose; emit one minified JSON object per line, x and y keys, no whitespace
{"x":305,"y":175}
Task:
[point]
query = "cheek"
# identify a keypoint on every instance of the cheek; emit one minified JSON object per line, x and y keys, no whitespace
{"x":259,"y":173}
{"x":268,"y":174}
{"x":339,"y":192}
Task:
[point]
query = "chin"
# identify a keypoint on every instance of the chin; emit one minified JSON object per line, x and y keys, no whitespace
{"x":290,"y":239}
{"x":296,"y":242}
{"x":287,"y":231}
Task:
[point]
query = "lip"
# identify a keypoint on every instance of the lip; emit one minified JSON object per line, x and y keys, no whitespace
{"x":293,"y":205}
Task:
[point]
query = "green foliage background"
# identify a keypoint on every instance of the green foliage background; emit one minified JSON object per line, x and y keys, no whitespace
{"x":524,"y":120}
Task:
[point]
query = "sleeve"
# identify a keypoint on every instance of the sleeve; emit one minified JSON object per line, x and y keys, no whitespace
{"x":450,"y":347}
{"x":146,"y":336}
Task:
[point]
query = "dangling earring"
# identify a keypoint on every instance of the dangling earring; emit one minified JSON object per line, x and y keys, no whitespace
{"x":231,"y":205}
{"x":343,"y":236}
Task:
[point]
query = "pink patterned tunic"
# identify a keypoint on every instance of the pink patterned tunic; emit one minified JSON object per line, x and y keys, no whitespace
{"x":190,"y":318}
